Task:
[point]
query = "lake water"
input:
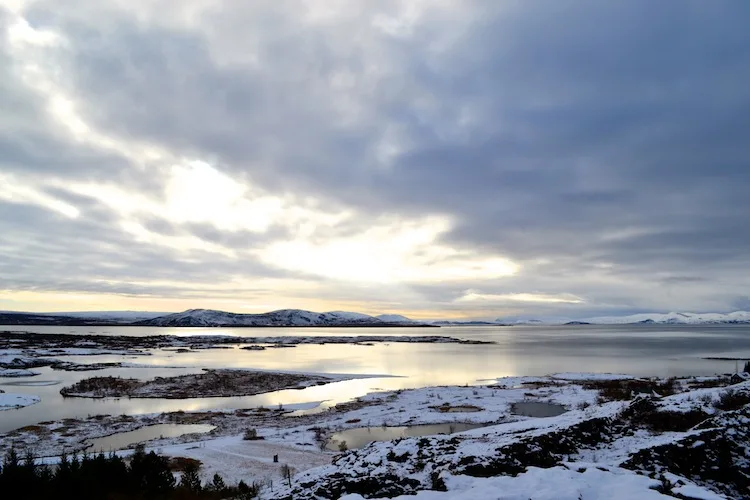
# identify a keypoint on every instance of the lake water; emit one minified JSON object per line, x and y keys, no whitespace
{"x":522,"y":350}
{"x":362,"y":436}
{"x":537,"y":409}
{"x":124,"y":439}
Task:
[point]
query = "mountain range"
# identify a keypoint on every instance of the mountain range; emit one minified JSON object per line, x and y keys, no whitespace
{"x":207,"y":318}
{"x":283,"y":317}
{"x":301,"y":318}
{"x":672,"y":318}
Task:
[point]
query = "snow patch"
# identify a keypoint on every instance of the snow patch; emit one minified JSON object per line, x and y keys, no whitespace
{"x":10,"y":401}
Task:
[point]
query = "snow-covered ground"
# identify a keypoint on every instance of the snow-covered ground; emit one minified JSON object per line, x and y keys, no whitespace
{"x":597,"y":449}
{"x":14,"y":373}
{"x":10,"y":401}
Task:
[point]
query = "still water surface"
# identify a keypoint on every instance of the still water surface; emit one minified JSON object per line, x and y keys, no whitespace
{"x":360,"y":437}
{"x":522,"y":350}
{"x":124,"y":439}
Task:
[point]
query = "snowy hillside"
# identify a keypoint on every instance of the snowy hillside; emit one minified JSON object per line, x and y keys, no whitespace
{"x":394,"y":318}
{"x":672,"y":318}
{"x":283,"y":317}
{"x":676,"y":318}
{"x":351,"y":315}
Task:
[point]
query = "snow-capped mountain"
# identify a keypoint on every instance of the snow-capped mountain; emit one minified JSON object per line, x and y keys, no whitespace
{"x":283,"y":317}
{"x":394,"y":318}
{"x":350,"y":315}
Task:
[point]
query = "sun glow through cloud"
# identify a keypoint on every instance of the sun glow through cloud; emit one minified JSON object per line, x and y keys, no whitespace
{"x":520,"y":297}
{"x":402,"y":251}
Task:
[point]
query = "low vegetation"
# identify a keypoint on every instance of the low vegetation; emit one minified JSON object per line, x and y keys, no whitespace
{"x":210,"y":383}
{"x":732,"y":400}
{"x":251,"y":435}
{"x":625,"y":390}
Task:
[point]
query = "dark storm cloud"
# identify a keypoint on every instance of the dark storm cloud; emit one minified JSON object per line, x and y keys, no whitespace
{"x":605,"y":139}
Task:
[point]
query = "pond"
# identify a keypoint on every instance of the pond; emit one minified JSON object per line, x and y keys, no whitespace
{"x":537,"y":409}
{"x":124,"y":439}
{"x":362,"y":436}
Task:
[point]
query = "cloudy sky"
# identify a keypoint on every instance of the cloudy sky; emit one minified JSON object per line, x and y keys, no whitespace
{"x":436,"y":158}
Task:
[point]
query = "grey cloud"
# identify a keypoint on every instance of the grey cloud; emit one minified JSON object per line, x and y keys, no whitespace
{"x":542,"y":128}
{"x":42,"y":250}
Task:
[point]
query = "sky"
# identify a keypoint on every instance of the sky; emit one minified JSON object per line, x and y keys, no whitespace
{"x":439,"y":159}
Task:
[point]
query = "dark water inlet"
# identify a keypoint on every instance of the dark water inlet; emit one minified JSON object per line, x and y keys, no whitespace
{"x":537,"y":409}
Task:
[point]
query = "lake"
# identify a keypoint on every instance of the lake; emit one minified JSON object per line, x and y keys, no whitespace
{"x":663,"y":350}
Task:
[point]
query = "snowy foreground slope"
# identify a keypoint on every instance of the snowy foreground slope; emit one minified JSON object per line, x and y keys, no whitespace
{"x":692,"y":444}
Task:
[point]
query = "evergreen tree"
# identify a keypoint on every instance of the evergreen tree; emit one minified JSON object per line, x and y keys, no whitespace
{"x":150,"y":474}
{"x":190,"y":480}
{"x":218,"y":484}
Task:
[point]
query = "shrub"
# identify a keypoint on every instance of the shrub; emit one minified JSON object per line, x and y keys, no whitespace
{"x":286,"y":473}
{"x":247,"y":492}
{"x":731,"y":400}
{"x":251,"y":435}
{"x":623,"y":390}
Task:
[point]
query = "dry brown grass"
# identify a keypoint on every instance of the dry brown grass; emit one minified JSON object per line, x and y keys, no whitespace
{"x":178,"y":464}
{"x":623,"y":390}
{"x":34,"y":429}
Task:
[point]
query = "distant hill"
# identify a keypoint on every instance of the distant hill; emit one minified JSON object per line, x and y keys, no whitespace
{"x":675,"y":318}
{"x":468,"y":323}
{"x":114,"y":316}
{"x":394,"y":318}
{"x":672,"y":318}
{"x":13,"y":318}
